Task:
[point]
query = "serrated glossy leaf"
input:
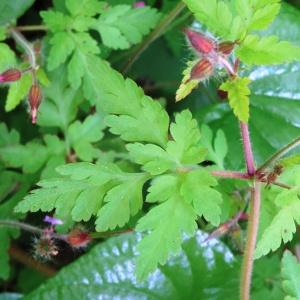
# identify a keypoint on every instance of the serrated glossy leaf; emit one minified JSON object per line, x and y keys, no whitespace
{"x":85,"y":7}
{"x":238,"y":96}
{"x":114,"y":261}
{"x":290,"y":273}
{"x":55,"y":20}
{"x":256,"y":50}
{"x":121,"y":26}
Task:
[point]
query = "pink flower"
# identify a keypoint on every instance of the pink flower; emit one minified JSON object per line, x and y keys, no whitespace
{"x":52,"y":220}
{"x":139,"y":4}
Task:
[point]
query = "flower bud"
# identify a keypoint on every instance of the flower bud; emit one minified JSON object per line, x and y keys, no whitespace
{"x":199,"y":42}
{"x":202,"y":70}
{"x":78,"y":238}
{"x":44,"y":248}
{"x":139,"y":4}
{"x":226,"y":47}
{"x":10,"y":75}
{"x":35,"y":97}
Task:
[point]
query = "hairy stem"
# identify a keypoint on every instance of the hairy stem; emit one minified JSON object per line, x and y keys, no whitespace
{"x":230,"y":174}
{"x":247,"y":148}
{"x":156,"y":33}
{"x":279,"y":154}
{"x":253,"y":222}
{"x":20,"y":39}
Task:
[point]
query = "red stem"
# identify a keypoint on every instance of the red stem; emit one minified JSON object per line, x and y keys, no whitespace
{"x":247,"y":148}
{"x":230,"y":174}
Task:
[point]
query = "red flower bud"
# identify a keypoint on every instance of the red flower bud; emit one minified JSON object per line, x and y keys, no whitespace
{"x":35,"y":98}
{"x":226,"y":47}
{"x":199,"y":42}
{"x":78,"y":238}
{"x":10,"y":75}
{"x":202,"y":70}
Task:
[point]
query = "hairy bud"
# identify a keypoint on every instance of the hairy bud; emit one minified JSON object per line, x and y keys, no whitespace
{"x":10,"y":75}
{"x":199,"y":42}
{"x":202,"y":70}
{"x":78,"y":238}
{"x":226,"y":47}
{"x":35,"y":98}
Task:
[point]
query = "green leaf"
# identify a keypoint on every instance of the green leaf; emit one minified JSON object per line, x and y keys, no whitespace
{"x":154,"y":159}
{"x":130,"y":109}
{"x":83,"y":189}
{"x":197,"y":188}
{"x":255,"y":50}
{"x":11,"y":10}
{"x":193,"y":272}
{"x":121,"y":26}
{"x":217,"y":150}
{"x":55,"y":20}
{"x":7,"y":57}
{"x":82,"y":135}
{"x":218,"y":18}
{"x":238,"y":96}
{"x":282,"y":226}
{"x":167,"y":222}
{"x":291,"y":276}
{"x":186,"y":86}
{"x":185,"y":147}
{"x":88,"y":8}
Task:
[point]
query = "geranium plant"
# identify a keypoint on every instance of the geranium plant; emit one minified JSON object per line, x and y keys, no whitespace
{"x":164,"y":189}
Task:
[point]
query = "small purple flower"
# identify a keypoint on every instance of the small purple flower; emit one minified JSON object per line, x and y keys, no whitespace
{"x":52,"y":220}
{"x":139,"y":4}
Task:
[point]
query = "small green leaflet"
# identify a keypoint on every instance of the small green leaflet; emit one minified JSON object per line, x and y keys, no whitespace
{"x":7,"y":57}
{"x":183,"y":150}
{"x":290,"y":273}
{"x":255,"y":50}
{"x":187,"y":85}
{"x":238,"y":95}
{"x":217,"y":16}
{"x":121,"y":26}
{"x":83,"y":189}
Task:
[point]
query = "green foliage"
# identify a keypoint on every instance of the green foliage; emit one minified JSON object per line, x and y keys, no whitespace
{"x":282,"y":226}
{"x":119,"y":26}
{"x":238,"y":95}
{"x":291,"y":275}
{"x":266,"y":51}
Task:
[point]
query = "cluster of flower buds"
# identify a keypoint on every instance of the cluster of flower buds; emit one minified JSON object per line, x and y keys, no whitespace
{"x":211,"y":54}
{"x":35,"y":93}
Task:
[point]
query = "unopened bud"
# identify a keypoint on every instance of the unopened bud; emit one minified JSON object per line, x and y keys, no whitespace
{"x":226,"y":47}
{"x":78,"y":238}
{"x":199,"y":42}
{"x":202,"y":70}
{"x":10,"y":75}
{"x":35,"y":98}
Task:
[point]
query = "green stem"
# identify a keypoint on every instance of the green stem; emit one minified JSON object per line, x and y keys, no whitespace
{"x":156,"y":33}
{"x":253,"y":222}
{"x":279,"y":154}
{"x":31,"y":28}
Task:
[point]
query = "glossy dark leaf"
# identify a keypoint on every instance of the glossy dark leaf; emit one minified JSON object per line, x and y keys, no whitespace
{"x":10,"y":10}
{"x":107,"y":272}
